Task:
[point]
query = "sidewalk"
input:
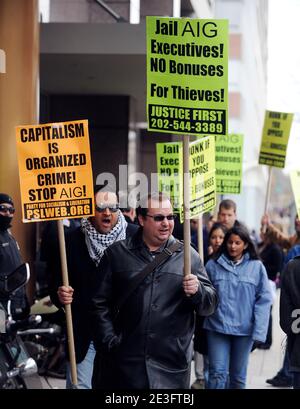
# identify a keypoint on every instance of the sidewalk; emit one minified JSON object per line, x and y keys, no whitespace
{"x":265,"y":364}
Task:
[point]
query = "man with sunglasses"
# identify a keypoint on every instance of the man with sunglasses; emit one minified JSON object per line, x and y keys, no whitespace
{"x":10,"y":257}
{"x":85,"y":246}
{"x":148,"y":343}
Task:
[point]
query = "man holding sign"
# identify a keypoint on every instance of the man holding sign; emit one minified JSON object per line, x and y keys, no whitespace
{"x":149,"y":342}
{"x":85,"y":246}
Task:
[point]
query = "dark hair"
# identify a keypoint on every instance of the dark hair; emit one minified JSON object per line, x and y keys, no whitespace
{"x":125,"y":206}
{"x":142,"y":209}
{"x":216,"y":226}
{"x":243,"y":233}
{"x":227,"y":204}
{"x":104,"y":188}
{"x":125,"y":209}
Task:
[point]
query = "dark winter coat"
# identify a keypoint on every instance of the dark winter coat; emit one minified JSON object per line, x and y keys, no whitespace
{"x":290,"y":310}
{"x":272,"y":257}
{"x":150,"y":344}
{"x":82,"y":273}
{"x":10,"y":259}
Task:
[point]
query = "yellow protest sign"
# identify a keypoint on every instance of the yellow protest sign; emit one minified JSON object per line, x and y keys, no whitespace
{"x":202,"y":175}
{"x":55,"y":171}
{"x":229,"y":162}
{"x":275,"y":136}
{"x":169,"y":170}
{"x":295,"y":182}
{"x":187,"y":75}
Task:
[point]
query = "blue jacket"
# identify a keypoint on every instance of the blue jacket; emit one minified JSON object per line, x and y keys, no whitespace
{"x":244,"y":297}
{"x":293,"y":252}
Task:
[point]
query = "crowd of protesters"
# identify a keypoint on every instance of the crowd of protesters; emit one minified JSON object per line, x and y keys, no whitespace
{"x":139,"y":320}
{"x":136,"y":349}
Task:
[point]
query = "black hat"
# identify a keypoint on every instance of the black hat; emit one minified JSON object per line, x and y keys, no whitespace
{"x":4,"y":198}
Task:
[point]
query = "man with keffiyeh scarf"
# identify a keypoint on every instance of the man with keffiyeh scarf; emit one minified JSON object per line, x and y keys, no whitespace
{"x":85,"y":246}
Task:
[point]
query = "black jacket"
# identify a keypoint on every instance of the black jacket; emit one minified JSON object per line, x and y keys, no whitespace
{"x":150,"y":345}
{"x":272,"y":257}
{"x":10,"y":259}
{"x":82,"y":273}
{"x":290,"y":310}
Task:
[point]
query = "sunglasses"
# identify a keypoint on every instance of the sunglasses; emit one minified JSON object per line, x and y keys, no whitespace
{"x":111,"y":207}
{"x":161,"y":217}
{"x":3,"y":209}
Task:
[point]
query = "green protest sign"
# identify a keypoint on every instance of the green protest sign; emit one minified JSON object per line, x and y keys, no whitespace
{"x":202,"y":176}
{"x":275,"y":136}
{"x":187,"y":75}
{"x":229,"y":161}
{"x":169,"y":170}
{"x":295,"y":182}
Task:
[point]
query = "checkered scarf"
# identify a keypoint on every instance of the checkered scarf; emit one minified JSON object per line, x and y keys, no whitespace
{"x":97,"y":242}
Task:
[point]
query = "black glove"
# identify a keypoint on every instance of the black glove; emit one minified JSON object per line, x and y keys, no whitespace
{"x":256,"y":345}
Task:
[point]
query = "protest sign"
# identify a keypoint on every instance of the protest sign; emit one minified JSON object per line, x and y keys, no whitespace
{"x":229,"y":161}
{"x":275,"y":136}
{"x":187,"y":75}
{"x":55,"y":171}
{"x":169,"y":170}
{"x":202,"y":175}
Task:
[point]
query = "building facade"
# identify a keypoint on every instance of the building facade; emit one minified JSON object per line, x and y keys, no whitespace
{"x":93,"y":65}
{"x":248,"y":26}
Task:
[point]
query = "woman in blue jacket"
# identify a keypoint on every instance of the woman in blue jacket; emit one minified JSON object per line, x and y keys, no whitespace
{"x":243,"y":312}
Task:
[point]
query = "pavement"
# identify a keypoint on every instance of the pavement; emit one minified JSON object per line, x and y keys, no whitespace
{"x":263,"y":364}
{"x":43,"y":382}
